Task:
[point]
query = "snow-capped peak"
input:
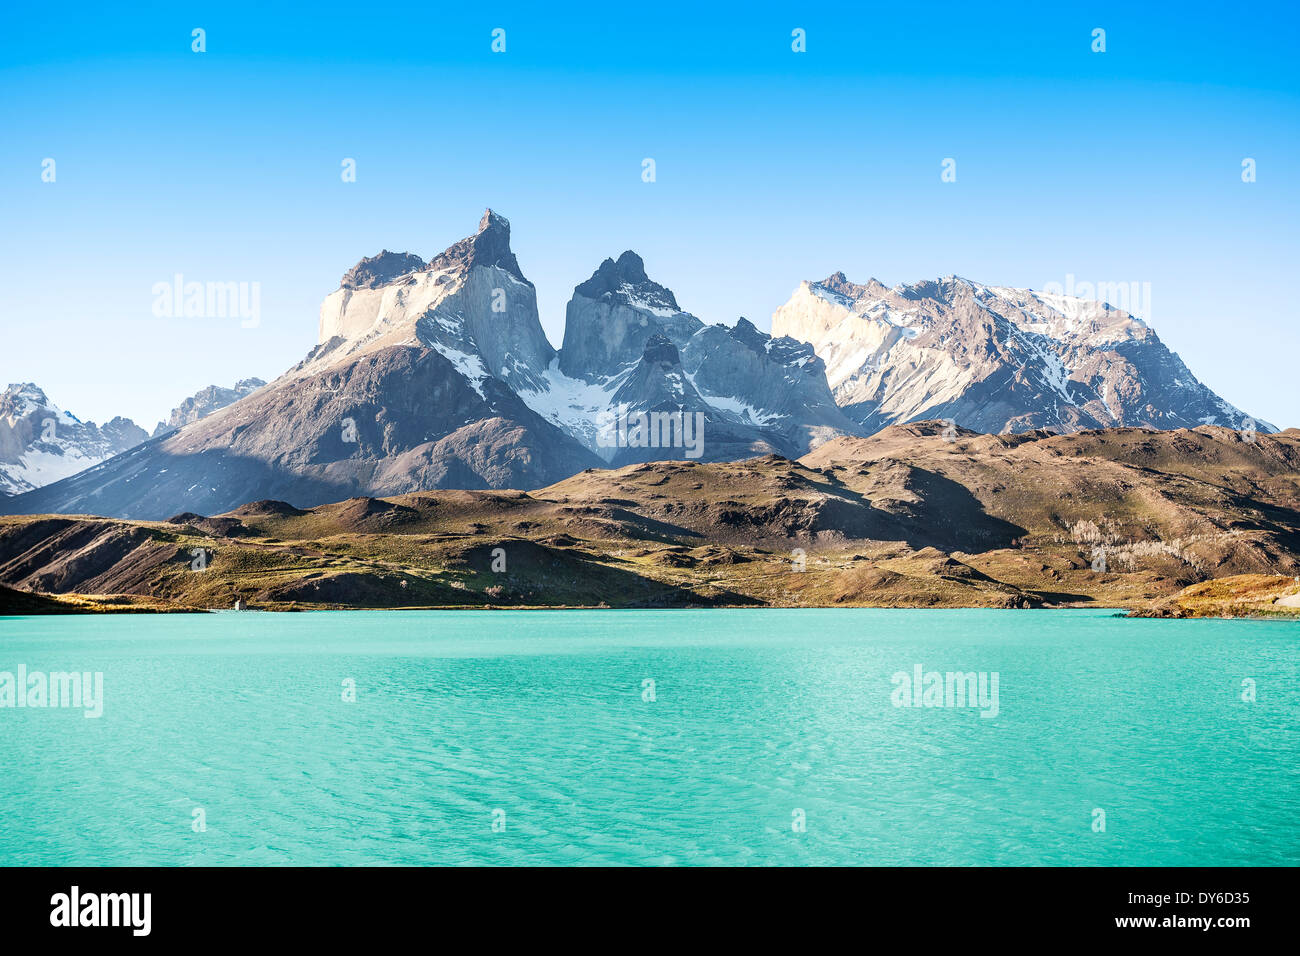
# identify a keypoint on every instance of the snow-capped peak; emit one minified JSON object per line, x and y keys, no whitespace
{"x":41,"y":443}
{"x":992,"y":357}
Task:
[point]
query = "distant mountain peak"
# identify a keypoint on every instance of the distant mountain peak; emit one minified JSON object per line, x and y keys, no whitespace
{"x":748,"y":334}
{"x":839,"y":283}
{"x":20,"y":391}
{"x":994,"y":358}
{"x":945,"y":289}
{"x":491,"y":219}
{"x":204,"y":402}
{"x":40,"y":443}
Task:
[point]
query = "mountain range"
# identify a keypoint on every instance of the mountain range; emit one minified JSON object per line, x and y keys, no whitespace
{"x":41,"y":443}
{"x":995,"y":359}
{"x":437,"y":374}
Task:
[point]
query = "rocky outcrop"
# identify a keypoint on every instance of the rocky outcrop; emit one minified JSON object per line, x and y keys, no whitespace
{"x":380,"y":270}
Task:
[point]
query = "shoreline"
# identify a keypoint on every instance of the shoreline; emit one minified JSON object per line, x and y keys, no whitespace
{"x":1238,"y":597}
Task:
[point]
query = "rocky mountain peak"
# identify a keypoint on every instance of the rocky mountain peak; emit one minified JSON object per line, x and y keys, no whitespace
{"x":380,"y":270}
{"x":946,"y":289}
{"x":747,"y":333}
{"x":631,"y":268}
{"x":20,"y":392}
{"x":204,"y":402}
{"x":625,"y":281}
{"x":489,"y":246}
{"x":40,"y":443}
{"x":838,"y":283}
{"x":993,"y":359}
{"x":491,"y":219}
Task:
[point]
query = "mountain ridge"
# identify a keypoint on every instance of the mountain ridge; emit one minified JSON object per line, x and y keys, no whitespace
{"x":994,"y":358}
{"x":637,"y":378}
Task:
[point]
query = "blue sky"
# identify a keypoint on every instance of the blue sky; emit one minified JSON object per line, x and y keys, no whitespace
{"x":772,"y":166}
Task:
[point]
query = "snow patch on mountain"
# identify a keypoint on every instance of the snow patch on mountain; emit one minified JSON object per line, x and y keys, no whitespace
{"x":575,"y":405}
{"x":468,"y":364}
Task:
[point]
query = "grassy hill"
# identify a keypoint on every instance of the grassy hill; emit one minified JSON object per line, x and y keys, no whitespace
{"x":905,"y":518}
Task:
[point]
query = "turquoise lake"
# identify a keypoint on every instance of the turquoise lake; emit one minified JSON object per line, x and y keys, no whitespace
{"x":766,"y":737}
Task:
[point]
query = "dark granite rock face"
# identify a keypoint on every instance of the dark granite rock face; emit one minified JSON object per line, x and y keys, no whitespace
{"x":659,"y":349}
{"x":489,"y":246}
{"x":625,"y":281}
{"x":380,"y":270}
{"x":614,"y":314}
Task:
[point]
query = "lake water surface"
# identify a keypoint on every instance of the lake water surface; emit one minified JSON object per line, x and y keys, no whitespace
{"x":653,"y":737}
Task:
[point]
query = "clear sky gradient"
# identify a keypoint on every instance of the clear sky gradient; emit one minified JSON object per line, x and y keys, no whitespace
{"x":772,"y":166}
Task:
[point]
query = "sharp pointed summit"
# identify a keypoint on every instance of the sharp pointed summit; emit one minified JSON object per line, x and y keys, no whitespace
{"x":413,"y":385}
{"x":489,"y":246}
{"x":624,"y":280}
